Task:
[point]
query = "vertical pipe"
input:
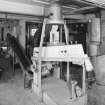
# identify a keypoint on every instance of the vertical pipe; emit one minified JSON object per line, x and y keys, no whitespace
{"x":84,"y":80}
{"x":66,"y":37}
{"x":60,"y":33}
{"x":66,"y":32}
{"x":95,"y":32}
{"x":22,"y":36}
{"x":40,"y":61}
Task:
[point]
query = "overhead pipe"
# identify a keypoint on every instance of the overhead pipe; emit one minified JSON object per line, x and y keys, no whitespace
{"x":81,"y":9}
{"x":97,"y":3}
{"x":88,"y":2}
{"x":85,"y":2}
{"x":46,"y":3}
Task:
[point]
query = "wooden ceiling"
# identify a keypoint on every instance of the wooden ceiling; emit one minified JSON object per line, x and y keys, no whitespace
{"x":72,"y":3}
{"x":72,"y":6}
{"x":77,"y":6}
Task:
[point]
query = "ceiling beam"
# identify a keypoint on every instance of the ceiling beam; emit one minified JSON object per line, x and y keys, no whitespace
{"x":88,"y":3}
{"x":21,"y":8}
{"x":46,"y":3}
{"x":78,"y":16}
{"x":79,"y":10}
{"x":8,"y":16}
{"x":41,"y":2}
{"x":98,"y":3}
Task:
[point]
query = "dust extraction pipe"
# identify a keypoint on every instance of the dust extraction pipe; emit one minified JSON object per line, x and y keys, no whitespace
{"x":55,"y":15}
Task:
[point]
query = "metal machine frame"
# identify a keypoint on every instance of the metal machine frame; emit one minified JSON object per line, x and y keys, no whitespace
{"x":37,"y":76}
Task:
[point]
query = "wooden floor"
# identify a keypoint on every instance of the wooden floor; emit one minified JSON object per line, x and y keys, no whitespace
{"x":12,"y":92}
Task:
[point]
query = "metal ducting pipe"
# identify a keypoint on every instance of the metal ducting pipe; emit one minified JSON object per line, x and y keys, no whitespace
{"x":93,"y":49}
{"x":95,"y":34}
{"x":100,"y":69}
{"x":97,"y":61}
{"x":94,"y":42}
{"x":95,"y":37}
{"x":55,"y":14}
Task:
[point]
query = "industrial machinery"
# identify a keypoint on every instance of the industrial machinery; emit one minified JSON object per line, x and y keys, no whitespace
{"x":47,"y":65}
